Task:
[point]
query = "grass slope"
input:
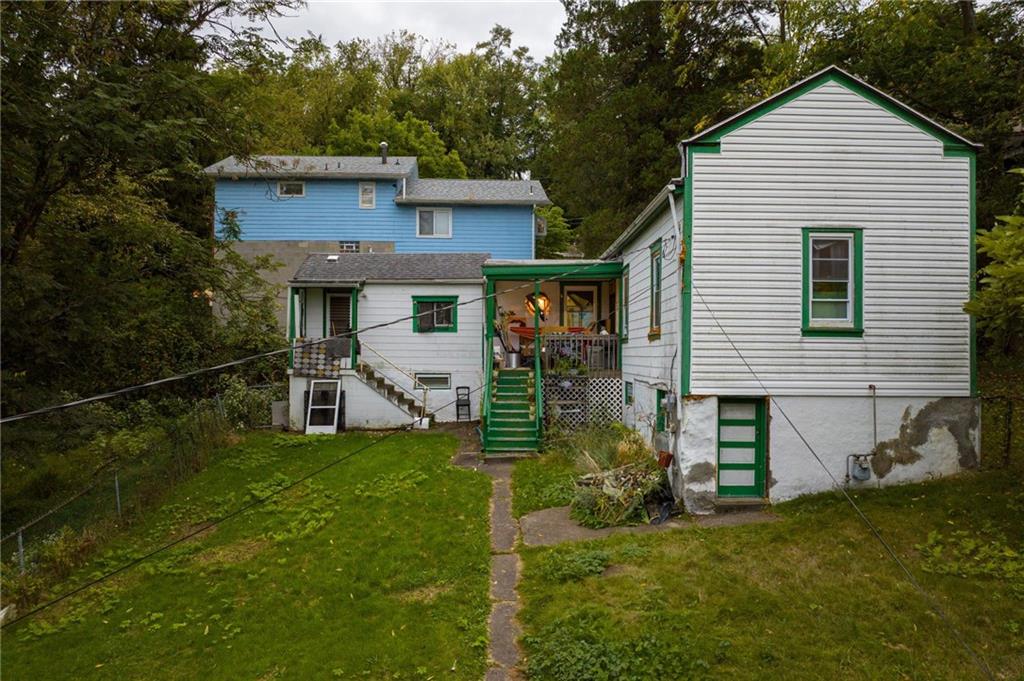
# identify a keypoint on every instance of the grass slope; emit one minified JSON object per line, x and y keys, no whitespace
{"x":812,"y":596}
{"x":378,"y":568}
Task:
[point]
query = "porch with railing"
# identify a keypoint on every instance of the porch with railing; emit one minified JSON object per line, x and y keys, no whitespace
{"x":321,"y":358}
{"x":596,"y":355}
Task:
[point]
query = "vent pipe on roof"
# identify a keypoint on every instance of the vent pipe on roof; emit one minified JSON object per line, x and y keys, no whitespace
{"x":383,"y":153}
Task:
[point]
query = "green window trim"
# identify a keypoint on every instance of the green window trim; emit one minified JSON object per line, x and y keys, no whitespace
{"x":628,"y":398}
{"x":654,"y":321}
{"x":450,"y":300}
{"x":856,"y":328}
{"x":624,"y":306}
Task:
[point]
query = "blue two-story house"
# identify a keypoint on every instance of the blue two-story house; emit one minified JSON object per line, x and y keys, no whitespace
{"x":292,"y":206}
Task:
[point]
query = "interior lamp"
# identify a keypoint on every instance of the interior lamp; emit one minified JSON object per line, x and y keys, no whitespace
{"x":541,"y":304}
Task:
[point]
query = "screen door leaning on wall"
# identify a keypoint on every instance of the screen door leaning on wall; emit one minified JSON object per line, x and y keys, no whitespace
{"x":324,"y":400}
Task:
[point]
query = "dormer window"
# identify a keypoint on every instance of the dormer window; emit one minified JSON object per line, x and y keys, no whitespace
{"x":367,"y":195}
{"x":291,"y":190}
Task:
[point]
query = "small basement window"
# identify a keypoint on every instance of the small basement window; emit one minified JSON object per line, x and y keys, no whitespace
{"x":832,"y":282}
{"x":432,"y":314}
{"x":434,"y":223}
{"x":435,"y":381}
{"x":629,"y":392}
{"x":291,"y":189}
{"x":367,"y":195}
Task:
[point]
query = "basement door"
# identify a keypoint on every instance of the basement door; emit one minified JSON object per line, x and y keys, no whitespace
{"x":742,"y":447}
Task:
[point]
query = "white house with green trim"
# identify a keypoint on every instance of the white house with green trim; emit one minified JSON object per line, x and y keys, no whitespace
{"x":390,"y":373}
{"x":818,"y":249}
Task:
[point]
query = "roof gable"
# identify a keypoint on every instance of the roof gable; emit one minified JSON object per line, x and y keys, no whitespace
{"x":833,"y":74}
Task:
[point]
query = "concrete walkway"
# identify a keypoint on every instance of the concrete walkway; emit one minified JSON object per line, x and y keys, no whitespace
{"x":503,"y":629}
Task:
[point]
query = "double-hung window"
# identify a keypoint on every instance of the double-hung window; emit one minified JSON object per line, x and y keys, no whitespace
{"x":434,"y":223}
{"x":432,"y":314}
{"x":367,"y":195}
{"x":655,"y":321}
{"x":832,"y":282}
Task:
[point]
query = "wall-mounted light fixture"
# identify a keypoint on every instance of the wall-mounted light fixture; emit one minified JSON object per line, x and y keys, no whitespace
{"x":539,"y":303}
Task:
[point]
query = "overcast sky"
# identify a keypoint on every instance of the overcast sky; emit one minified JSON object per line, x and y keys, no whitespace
{"x":534,"y":23}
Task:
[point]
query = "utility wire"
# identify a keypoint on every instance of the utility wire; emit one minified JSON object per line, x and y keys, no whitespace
{"x":271,"y":353}
{"x":936,"y":606}
{"x":215,"y":522}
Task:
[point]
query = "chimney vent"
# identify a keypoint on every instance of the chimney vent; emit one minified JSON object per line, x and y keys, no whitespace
{"x":383,"y":153}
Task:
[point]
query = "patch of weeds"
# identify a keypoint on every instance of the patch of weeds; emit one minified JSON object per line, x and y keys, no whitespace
{"x":390,"y":485}
{"x":250,"y":457}
{"x":970,"y":554}
{"x":570,"y":566}
{"x":632,"y":552}
{"x":590,"y":645}
{"x":302,"y":510}
{"x":294,"y":441}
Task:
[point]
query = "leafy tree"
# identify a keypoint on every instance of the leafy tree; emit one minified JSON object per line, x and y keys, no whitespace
{"x":409,"y":136}
{"x":559,"y":237}
{"x":999,"y":304}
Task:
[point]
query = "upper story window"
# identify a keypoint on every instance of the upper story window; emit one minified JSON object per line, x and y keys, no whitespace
{"x":348,"y":246}
{"x":435,"y":313}
{"x":434,"y":223}
{"x":655,"y":321}
{"x":367,"y":195}
{"x":624,"y":297}
{"x":291,"y":189}
{"x":832,"y":282}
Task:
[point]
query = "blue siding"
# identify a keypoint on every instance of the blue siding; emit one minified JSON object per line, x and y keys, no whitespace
{"x":330,"y":211}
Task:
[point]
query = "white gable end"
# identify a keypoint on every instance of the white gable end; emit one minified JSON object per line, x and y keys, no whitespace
{"x":831,"y":158}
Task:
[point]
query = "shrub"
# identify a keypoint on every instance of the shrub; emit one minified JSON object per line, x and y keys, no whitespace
{"x":245,"y":407}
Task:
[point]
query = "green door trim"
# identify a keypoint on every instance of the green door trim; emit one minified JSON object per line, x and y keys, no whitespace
{"x":760,"y":422}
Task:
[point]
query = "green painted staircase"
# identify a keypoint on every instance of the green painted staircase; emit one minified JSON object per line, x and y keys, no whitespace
{"x":511,"y":426}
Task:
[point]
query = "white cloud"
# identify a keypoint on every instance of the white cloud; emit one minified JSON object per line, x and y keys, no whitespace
{"x":533,"y":23}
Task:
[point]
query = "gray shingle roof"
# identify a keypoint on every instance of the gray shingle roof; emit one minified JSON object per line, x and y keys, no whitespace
{"x":438,"y":191}
{"x":326,"y":167}
{"x":352,"y":267}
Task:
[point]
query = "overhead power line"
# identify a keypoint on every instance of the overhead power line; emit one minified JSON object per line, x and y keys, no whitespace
{"x":935,"y":605}
{"x":214,"y":523}
{"x":273,"y":353}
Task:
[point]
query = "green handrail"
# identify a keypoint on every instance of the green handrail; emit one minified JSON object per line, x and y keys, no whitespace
{"x":536,"y":360}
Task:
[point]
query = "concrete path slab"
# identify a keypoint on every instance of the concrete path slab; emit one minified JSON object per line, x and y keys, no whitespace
{"x":553,"y":526}
{"x":503,"y":628}
{"x":735,"y":518}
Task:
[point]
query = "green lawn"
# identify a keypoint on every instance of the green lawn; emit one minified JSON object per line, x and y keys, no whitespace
{"x":542,"y":482}
{"x":378,"y":568}
{"x":809,"y":597}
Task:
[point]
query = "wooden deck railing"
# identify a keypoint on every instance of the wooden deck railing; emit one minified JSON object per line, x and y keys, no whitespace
{"x":593,"y":353}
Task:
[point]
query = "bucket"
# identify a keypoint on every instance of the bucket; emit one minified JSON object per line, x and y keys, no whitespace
{"x":513,"y":360}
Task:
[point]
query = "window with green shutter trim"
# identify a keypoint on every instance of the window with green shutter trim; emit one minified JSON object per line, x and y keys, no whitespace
{"x":435,"y":314}
{"x":833,"y":282}
{"x":655,"y":313}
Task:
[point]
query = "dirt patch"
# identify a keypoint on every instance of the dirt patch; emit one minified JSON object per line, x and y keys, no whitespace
{"x":957,"y":415}
{"x":237,"y":552}
{"x":424,"y":594}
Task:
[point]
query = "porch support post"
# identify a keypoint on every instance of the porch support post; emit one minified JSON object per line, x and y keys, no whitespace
{"x":291,"y":327}
{"x":353,"y":339}
{"x":537,"y":344}
{"x":490,"y":306}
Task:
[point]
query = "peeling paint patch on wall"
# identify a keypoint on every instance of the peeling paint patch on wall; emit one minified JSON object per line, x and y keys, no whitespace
{"x":957,"y":416}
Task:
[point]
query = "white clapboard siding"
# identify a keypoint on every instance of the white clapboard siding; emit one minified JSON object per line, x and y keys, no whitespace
{"x":458,"y":354}
{"x":652,"y":363}
{"x":831,"y":158}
